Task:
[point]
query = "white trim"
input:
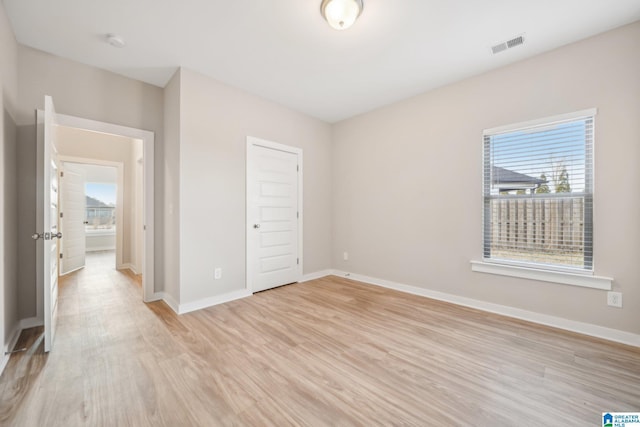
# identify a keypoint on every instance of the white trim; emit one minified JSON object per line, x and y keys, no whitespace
{"x":101,"y":232}
{"x":15,"y":335}
{"x":23,"y":324}
{"x":157,"y":296}
{"x":39,"y":215}
{"x":148,"y":144}
{"x":131,"y":267}
{"x":103,"y":249}
{"x":4,"y":361}
{"x":168,"y":299}
{"x":561,"y":277}
{"x":589,"y":112}
{"x":251,"y":142}
{"x":128,"y":266}
{"x":210,"y":302}
{"x":69,"y":272}
{"x":530,"y":316}
{"x":10,"y":345}
{"x":317,"y":275}
{"x":30,"y":322}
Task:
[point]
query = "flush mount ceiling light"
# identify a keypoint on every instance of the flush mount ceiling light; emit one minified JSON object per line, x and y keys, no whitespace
{"x":341,"y":14}
{"x":115,"y":40}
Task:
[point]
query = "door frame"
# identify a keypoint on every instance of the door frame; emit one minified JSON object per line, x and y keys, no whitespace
{"x":119,"y":198}
{"x":258,"y":142}
{"x":148,"y":145}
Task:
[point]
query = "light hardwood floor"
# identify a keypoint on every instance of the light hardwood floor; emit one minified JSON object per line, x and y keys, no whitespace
{"x":327,"y":352}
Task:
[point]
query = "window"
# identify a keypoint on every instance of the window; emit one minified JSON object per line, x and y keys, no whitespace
{"x":100,"y":212}
{"x":538,"y":193}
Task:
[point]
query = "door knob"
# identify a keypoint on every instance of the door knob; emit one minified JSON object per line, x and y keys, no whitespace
{"x":256,"y":225}
{"x":56,"y":235}
{"x":36,"y":236}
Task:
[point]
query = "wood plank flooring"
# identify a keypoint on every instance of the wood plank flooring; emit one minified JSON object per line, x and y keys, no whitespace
{"x":323,"y":353}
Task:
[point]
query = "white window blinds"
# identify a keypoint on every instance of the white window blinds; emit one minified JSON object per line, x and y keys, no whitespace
{"x":538,"y":193}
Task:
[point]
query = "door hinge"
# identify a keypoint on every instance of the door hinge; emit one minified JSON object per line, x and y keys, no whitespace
{"x":61,"y":174}
{"x":297,"y":214}
{"x":298,"y":261}
{"x":60,"y":255}
{"x":61,"y":214}
{"x":298,"y":168}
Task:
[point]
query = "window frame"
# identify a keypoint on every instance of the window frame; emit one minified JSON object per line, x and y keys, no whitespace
{"x":578,"y":276}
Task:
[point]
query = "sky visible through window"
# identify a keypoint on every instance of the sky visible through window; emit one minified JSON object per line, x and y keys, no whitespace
{"x":106,"y":193}
{"x":544,"y":150}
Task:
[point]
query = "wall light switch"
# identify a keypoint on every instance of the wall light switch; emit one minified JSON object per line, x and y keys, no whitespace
{"x":217,"y":274}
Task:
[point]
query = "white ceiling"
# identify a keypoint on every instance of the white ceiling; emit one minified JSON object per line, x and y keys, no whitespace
{"x":284,"y":51}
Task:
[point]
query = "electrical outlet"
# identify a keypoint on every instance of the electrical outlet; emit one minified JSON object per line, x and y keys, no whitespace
{"x":345,"y":256}
{"x":614,"y":299}
{"x":217,"y":274}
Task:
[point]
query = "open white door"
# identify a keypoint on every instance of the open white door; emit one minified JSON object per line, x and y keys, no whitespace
{"x":47,"y":218}
{"x":274,"y":214}
{"x":73,"y":205}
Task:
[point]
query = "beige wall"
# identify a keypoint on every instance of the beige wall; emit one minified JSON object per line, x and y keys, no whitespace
{"x":87,"y":92}
{"x":8,"y":185}
{"x":8,"y":64}
{"x":215,"y":120}
{"x":407,"y":179}
{"x":171,"y":170}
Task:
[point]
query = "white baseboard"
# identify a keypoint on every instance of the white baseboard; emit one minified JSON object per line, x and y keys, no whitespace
{"x":168,"y":299}
{"x":543,"y":319}
{"x":210,"y":302}
{"x":100,"y":249}
{"x":3,"y":361}
{"x":200,"y":304}
{"x":316,"y":275}
{"x":156,"y":296}
{"x":15,"y":334}
{"x":129,"y":266}
{"x":30,"y":322}
{"x":23,"y":324}
{"x":221,"y":299}
{"x":71,"y":271}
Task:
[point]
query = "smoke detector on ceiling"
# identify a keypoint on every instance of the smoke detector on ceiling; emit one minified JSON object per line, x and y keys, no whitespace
{"x":115,"y":40}
{"x":509,"y":44}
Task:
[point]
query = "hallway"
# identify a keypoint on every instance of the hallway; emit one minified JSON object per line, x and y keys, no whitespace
{"x":99,"y":308}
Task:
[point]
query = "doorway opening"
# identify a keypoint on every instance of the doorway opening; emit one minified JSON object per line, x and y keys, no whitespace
{"x":48,"y":126}
{"x":131,"y":152}
{"x":92,"y":215}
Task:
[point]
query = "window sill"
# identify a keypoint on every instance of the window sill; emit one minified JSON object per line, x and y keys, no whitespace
{"x":583,"y":280}
{"x":100,"y":232}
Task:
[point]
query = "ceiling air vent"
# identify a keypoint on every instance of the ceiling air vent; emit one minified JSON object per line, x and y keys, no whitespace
{"x":516,"y":41}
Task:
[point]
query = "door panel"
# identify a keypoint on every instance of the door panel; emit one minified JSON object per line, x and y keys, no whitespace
{"x":47,"y":219}
{"x":73,"y":209}
{"x":272,"y":217}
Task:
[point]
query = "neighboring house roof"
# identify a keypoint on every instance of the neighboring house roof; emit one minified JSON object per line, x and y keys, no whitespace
{"x":95,"y":203}
{"x":506,"y":180}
